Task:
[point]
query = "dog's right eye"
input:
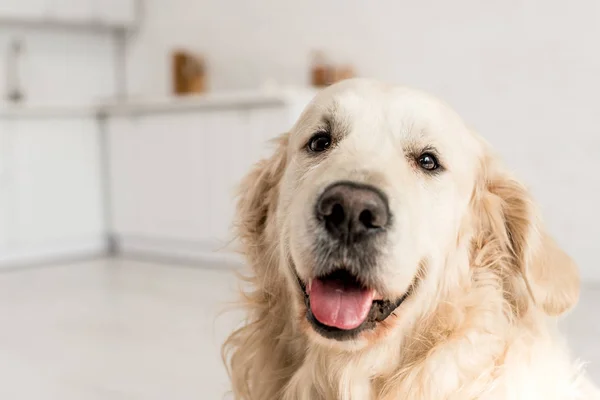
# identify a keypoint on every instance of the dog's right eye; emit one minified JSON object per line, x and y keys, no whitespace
{"x":319,"y":142}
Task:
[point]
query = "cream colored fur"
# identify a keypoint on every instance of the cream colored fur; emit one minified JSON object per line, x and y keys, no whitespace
{"x":489,"y":281}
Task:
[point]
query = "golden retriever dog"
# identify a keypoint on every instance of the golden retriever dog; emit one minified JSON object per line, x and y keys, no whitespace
{"x":393,"y":257}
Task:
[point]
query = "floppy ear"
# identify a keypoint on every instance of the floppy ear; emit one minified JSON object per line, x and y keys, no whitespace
{"x":260,"y":347}
{"x":550,"y":275}
{"x":258,"y":198}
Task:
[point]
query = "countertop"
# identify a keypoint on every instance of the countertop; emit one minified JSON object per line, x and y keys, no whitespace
{"x":166,"y":104}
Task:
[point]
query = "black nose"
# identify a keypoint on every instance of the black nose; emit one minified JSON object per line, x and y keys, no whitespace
{"x":351,"y":211}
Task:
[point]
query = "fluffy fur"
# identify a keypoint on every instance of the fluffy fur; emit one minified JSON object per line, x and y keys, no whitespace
{"x":488,"y":280}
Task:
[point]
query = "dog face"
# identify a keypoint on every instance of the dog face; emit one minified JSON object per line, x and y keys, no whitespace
{"x":374,"y":202}
{"x":377,"y":184}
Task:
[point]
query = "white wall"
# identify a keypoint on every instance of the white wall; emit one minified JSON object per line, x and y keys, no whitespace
{"x":440,"y":45}
{"x":526,"y":74}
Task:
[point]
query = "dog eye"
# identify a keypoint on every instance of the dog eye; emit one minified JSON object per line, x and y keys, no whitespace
{"x":428,"y":162}
{"x":319,"y":142}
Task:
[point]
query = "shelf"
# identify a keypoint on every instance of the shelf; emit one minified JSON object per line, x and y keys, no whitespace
{"x":167,"y":104}
{"x":90,"y":15}
{"x":94,"y":25}
{"x":220,"y":100}
{"x":46,"y":112}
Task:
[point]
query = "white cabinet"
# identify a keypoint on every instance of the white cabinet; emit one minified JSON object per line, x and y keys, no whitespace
{"x":4,"y":186}
{"x":118,"y":13}
{"x":174,"y":172}
{"x":51,"y":190}
{"x":173,"y":168}
{"x":174,"y":175}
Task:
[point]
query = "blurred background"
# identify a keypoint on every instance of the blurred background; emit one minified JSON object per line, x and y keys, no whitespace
{"x":125,"y":125}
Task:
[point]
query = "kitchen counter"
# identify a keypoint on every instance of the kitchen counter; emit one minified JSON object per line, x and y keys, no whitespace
{"x":156,"y":174}
{"x":237,"y":99}
{"x":44,"y":112}
{"x":166,"y":104}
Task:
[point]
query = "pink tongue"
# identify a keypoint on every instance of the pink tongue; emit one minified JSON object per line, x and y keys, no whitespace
{"x":338,"y":305}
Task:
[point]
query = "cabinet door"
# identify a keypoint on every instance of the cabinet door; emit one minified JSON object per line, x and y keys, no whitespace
{"x":55,"y":182}
{"x":174,"y":176}
{"x":5,"y":184}
{"x":159,"y":183}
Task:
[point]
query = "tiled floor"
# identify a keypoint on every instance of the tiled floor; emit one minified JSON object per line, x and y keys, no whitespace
{"x":115,"y":330}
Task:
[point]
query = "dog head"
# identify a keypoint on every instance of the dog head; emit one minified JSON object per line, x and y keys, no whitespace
{"x":379,"y":200}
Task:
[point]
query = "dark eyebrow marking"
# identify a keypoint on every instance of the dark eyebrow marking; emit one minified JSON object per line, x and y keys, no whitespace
{"x":334,"y":122}
{"x":325,"y":125}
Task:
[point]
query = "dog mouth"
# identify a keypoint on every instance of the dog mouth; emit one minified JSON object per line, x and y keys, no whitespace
{"x":340,"y":307}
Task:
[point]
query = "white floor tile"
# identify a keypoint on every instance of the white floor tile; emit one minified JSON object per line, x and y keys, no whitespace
{"x":118,"y":329}
{"x":113,"y":329}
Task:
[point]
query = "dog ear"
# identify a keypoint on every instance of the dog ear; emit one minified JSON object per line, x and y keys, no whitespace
{"x":258,"y":198}
{"x":258,"y":348}
{"x":550,"y":275}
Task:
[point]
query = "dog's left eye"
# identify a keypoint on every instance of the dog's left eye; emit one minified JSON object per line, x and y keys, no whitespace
{"x":428,"y":162}
{"x":319,"y":142}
